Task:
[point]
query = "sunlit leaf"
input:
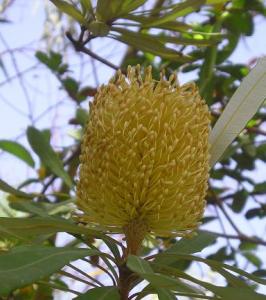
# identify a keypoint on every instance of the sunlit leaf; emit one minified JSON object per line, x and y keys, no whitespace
{"x":108,"y":10}
{"x":86,"y":6}
{"x":69,"y":10}
{"x":240,"y":109}
{"x":179,"y":10}
{"x":147,"y":22}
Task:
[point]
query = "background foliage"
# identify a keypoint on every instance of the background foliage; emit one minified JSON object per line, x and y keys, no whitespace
{"x":195,"y":39}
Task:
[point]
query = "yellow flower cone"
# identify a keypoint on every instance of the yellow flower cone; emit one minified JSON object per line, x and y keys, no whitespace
{"x":144,"y":159}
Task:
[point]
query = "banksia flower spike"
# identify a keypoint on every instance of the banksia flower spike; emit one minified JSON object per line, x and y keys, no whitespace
{"x":144,"y":159}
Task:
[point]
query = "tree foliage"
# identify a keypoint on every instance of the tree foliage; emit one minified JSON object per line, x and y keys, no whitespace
{"x":170,"y":36}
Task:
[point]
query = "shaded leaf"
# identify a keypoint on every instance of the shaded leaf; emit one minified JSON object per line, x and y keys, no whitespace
{"x":47,"y":155}
{"x":164,"y":294}
{"x":27,"y":264}
{"x":229,"y":293}
{"x":239,"y":200}
{"x":101,"y":293}
{"x":186,"y":246}
{"x":143,"y":268}
{"x":138,"y":265}
{"x":148,"y":43}
{"x":254,"y":259}
{"x":17,"y":150}
{"x":28,"y":227}
{"x":10,"y":190}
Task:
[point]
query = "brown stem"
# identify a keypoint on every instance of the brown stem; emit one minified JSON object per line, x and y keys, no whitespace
{"x":134,"y":235}
{"x":125,"y":280}
{"x":135,"y":232}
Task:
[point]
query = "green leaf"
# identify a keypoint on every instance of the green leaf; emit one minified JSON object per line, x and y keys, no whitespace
{"x":186,"y":246}
{"x":27,"y":264}
{"x":28,"y":227}
{"x":239,"y":200}
{"x":260,"y":188}
{"x":86,"y":7}
{"x":10,"y":190}
{"x":229,"y":293}
{"x":143,"y":268}
{"x":200,"y":42}
{"x":17,"y":150}
{"x":81,"y":116}
{"x":101,"y":293}
{"x":34,"y":208}
{"x":179,"y":10}
{"x":47,"y":155}
{"x":69,"y":10}
{"x":240,"y":109}
{"x":260,"y":273}
{"x":254,"y":259}
{"x":138,"y":265}
{"x":148,"y":43}
{"x":212,"y":2}
{"x":147,"y":22}
{"x":164,"y":294}
{"x":108,"y":10}
{"x":167,"y":282}
{"x":53,"y":61}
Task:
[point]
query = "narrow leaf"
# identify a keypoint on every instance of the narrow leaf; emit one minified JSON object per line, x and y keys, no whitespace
{"x":10,"y":190}
{"x":138,"y":265}
{"x":186,"y":246}
{"x":69,"y":10}
{"x":17,"y":150}
{"x":109,"y":10}
{"x":212,"y":2}
{"x":47,"y":155}
{"x":240,"y":109}
{"x":179,"y":10}
{"x":147,"y":22}
{"x":143,"y":268}
{"x":86,"y":6}
{"x":28,"y":227}
{"x":164,"y":294}
{"x":229,"y":293}
{"x":101,"y":293}
{"x":148,"y":43}
{"x":27,"y":264}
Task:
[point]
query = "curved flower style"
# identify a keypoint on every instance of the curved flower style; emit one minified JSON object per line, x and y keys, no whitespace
{"x":144,"y":160}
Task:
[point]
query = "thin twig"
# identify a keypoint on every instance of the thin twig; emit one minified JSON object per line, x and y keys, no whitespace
{"x":64,"y":273}
{"x":243,"y":238}
{"x":81,"y":48}
{"x":85,"y":274}
{"x":101,"y":268}
{"x":20,"y":78}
